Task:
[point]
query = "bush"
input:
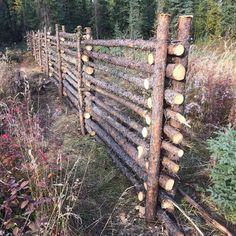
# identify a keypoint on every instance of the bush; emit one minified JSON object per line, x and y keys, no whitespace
{"x":223,"y":172}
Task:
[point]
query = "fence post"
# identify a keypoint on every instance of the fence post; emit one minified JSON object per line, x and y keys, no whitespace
{"x":79,"y":76}
{"x":184,"y":28}
{"x":63,"y":28}
{"x":59,"y":60}
{"x":157,"y":116}
{"x":46,"y":51}
{"x":40,"y":49}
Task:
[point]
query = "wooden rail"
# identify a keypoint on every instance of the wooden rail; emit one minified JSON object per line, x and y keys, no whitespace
{"x":134,"y":106}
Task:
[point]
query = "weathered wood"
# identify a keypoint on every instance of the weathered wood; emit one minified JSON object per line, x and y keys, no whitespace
{"x":121,"y":140}
{"x":176,"y":49}
{"x":122,"y":129}
{"x":116,"y":148}
{"x":166,"y":182}
{"x":46,"y":52}
{"x":175,"y":116}
{"x":172,"y":149}
{"x":70,"y":88}
{"x":183,"y":35}
{"x":88,"y":70}
{"x":70,"y":80}
{"x":170,"y":165}
{"x":157,"y":116}
{"x":69,"y":44}
{"x":137,"y":44}
{"x":205,"y":214}
{"x":120,"y":61}
{"x":171,"y":227}
{"x":117,"y":90}
{"x":126,"y":171}
{"x":40,"y":49}
{"x":79,"y":85}
{"x":137,"y":80}
{"x":69,"y":59}
{"x":68,"y":35}
{"x":125,"y":119}
{"x":173,"y":97}
{"x":175,"y":136}
{"x":175,"y":72}
{"x":59,"y":60}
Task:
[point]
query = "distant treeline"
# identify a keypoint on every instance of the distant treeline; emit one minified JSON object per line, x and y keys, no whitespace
{"x":115,"y":18}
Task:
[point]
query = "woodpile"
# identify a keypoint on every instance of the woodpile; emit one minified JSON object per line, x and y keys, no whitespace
{"x":135,"y":107}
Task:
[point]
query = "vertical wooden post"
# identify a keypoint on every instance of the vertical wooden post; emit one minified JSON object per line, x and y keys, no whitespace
{"x":40,"y":49}
{"x":34,"y":47}
{"x":157,"y":116}
{"x":63,"y":28}
{"x":46,"y":51}
{"x":59,"y":60}
{"x":183,"y":35}
{"x":79,"y":69}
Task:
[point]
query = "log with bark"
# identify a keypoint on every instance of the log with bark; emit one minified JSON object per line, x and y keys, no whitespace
{"x":175,"y":136}
{"x":137,"y":80}
{"x":173,"y":97}
{"x":172,"y":149}
{"x":117,"y":149}
{"x":120,"y":61}
{"x":111,"y":87}
{"x":175,"y":72}
{"x":125,"y":119}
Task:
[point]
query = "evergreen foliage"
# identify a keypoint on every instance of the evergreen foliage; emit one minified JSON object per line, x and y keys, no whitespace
{"x":223,"y":173}
{"x":115,"y":18}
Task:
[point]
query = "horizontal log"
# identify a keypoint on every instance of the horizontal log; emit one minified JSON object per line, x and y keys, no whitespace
{"x":125,"y":119}
{"x":150,"y":59}
{"x":70,"y":80}
{"x":141,"y":196}
{"x":70,"y":73}
{"x":88,"y":70}
{"x":166,"y":201}
{"x":166,"y":182}
{"x":175,"y":136}
{"x":131,"y":177}
{"x":71,"y":97}
{"x":172,"y":149}
{"x":85,"y":58}
{"x":132,"y":136}
{"x":70,"y":88}
{"x":139,"y":81}
{"x":176,"y":49}
{"x":173,"y":97}
{"x":51,"y":37}
{"x":117,"y":90}
{"x":120,"y":61}
{"x":175,"y":116}
{"x":140,"y":111}
{"x":68,"y":44}
{"x":67,"y":35}
{"x":69,"y":59}
{"x":116,"y":148}
{"x":175,"y":71}
{"x":121,"y":140}
{"x":89,"y":47}
{"x":137,"y":44}
{"x":170,"y":226}
{"x":69,"y":52}
{"x":170,"y":165}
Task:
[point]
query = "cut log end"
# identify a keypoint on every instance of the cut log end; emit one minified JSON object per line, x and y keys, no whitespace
{"x":147,"y":165}
{"x":140,"y":151}
{"x":174,"y":97}
{"x":85,"y":58}
{"x":150,"y":59}
{"x":149,"y":103}
{"x":146,"y":84}
{"x":170,"y":165}
{"x":148,"y":119}
{"x":141,"y":196}
{"x":177,"y":50}
{"x":88,"y":69}
{"x":145,"y":132}
{"x":180,"y":153}
{"x":62,"y":39}
{"x":87,"y":115}
{"x":92,"y":133}
{"x":145,"y":186}
{"x":179,"y":72}
{"x":167,"y":205}
{"x":89,"y":48}
{"x":166,"y":182}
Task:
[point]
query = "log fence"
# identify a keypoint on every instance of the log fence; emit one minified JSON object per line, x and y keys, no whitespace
{"x":134,"y":106}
